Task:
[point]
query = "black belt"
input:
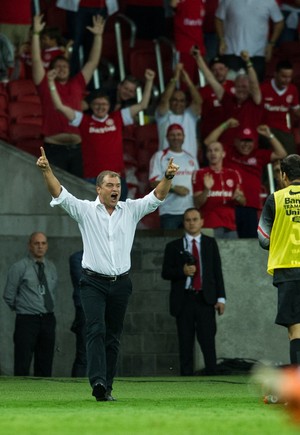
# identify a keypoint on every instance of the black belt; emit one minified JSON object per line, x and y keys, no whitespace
{"x":97,"y":275}
{"x":192,"y":291}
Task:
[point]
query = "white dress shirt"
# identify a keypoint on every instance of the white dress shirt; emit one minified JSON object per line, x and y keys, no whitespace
{"x":107,"y":239}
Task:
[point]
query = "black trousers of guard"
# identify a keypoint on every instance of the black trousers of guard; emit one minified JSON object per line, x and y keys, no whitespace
{"x":197,"y":319}
{"x":104,"y":304}
{"x":34,"y":336}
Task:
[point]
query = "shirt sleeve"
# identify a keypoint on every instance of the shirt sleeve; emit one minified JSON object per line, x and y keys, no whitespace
{"x":12,"y":284}
{"x":126,"y":116}
{"x":77,"y":120}
{"x":76,"y":208}
{"x":266,"y":222}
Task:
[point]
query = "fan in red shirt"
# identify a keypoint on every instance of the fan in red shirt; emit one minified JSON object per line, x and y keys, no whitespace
{"x":188,"y":21}
{"x":212,"y":110}
{"x":244,"y":105}
{"x":217,"y":190}
{"x":280,"y":98}
{"x":245,"y":157}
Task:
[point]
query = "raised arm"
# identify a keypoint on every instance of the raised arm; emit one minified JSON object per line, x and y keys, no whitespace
{"x":38,"y":70}
{"x":164,"y":102}
{"x":52,"y":182}
{"x":163,"y":187}
{"x":67,"y":111}
{"x":278,"y":152}
{"x":143,"y":104}
{"x":209,"y":77}
{"x":219,"y":25}
{"x":215,"y":134}
{"x":95,"y":53}
{"x":276,"y":31}
{"x":200,"y":197}
{"x":253,"y":80}
{"x":196,"y":99}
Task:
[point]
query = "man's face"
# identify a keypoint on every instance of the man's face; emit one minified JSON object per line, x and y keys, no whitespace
{"x":220,"y":71}
{"x":215,"y":153}
{"x":283,"y":78}
{"x":244,"y":146}
{"x":100,"y":107}
{"x":178,"y":102}
{"x":62,"y":69}
{"x":109,"y":192}
{"x":127,"y":90}
{"x":38,"y":245}
{"x":175,"y":139}
{"x":242,"y":88}
{"x":193,"y":222}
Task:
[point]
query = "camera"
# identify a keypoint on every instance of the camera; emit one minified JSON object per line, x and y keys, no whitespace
{"x":190,"y":260}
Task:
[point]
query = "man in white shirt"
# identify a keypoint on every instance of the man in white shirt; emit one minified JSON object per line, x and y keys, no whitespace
{"x":244,"y":25}
{"x":107,"y":226}
{"x":181,"y":193}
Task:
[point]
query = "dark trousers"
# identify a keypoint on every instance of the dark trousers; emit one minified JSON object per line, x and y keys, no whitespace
{"x":78,"y":327}
{"x":67,"y":157}
{"x":197,"y":318}
{"x":104,"y":304}
{"x":34,"y":335}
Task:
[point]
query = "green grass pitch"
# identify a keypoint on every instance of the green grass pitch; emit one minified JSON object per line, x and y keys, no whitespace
{"x":157,"y":406}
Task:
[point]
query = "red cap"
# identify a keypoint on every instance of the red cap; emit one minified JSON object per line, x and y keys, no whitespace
{"x":174,"y":127}
{"x":246,"y":133}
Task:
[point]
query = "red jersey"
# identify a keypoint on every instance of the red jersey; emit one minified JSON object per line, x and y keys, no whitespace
{"x":250,"y":167}
{"x":102,"y":146}
{"x":219,"y":208}
{"x":71,"y":93}
{"x":248,"y":114}
{"x":212,"y":110}
{"x":188,"y":22}
{"x":277,"y":105}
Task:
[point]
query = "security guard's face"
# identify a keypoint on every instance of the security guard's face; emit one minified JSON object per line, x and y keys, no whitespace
{"x":38,"y":245}
{"x":193,"y":222}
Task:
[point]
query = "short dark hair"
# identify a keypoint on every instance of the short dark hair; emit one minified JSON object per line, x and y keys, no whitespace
{"x":191,"y":209}
{"x":56,"y":59}
{"x":290,"y":165}
{"x":283,"y":64}
{"x":97,"y":94}
{"x":132,"y":79}
{"x":102,"y":174}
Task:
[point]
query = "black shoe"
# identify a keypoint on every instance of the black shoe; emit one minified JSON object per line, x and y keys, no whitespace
{"x":109,"y":397}
{"x":99,"y":391}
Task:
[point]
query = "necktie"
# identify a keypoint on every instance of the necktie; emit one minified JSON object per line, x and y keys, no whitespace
{"x":197,"y":277}
{"x":44,"y":287}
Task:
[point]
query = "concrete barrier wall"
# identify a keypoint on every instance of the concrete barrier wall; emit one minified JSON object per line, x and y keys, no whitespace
{"x":149,"y":343}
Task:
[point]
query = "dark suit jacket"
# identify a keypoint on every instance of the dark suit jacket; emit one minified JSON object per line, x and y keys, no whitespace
{"x":212,"y":277}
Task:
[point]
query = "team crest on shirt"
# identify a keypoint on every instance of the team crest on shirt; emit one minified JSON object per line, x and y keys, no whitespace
{"x":252,"y":161}
{"x":109,"y":122}
{"x":289,"y":99}
{"x":229,"y":182}
{"x":191,"y":162}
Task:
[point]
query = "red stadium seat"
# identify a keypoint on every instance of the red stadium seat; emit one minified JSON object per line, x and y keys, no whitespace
{"x":25,"y":112}
{"x":17,"y":89}
{"x":146,"y":133}
{"x":150,"y":221}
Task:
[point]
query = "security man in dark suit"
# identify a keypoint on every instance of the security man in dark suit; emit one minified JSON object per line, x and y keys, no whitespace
{"x":193,"y":265}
